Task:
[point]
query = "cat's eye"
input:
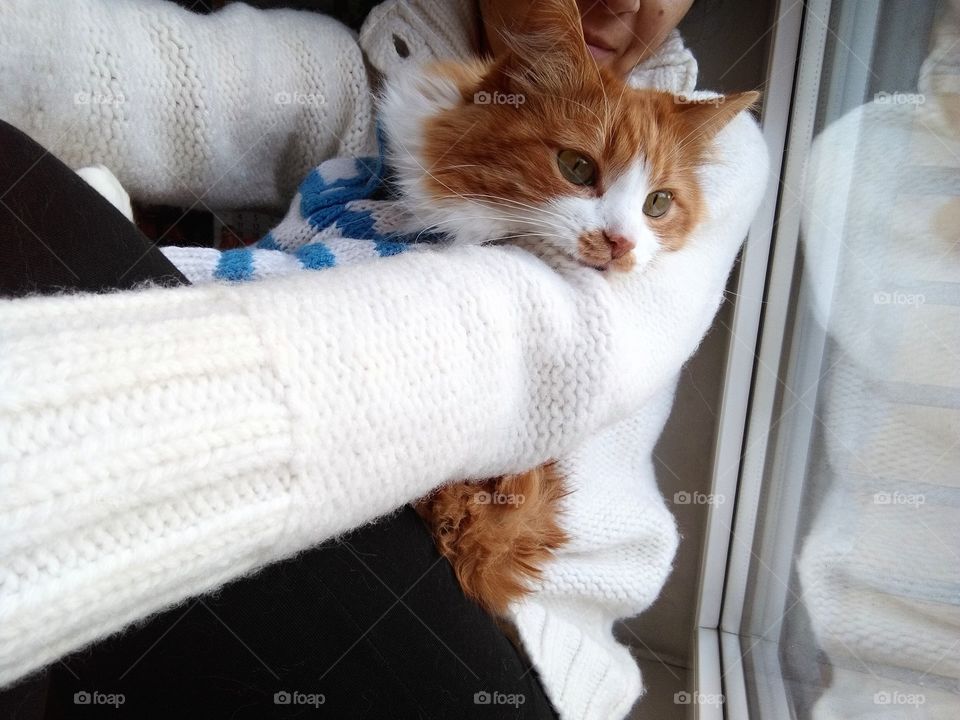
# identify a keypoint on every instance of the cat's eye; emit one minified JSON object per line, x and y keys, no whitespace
{"x":657,"y":203}
{"x":577,"y":167}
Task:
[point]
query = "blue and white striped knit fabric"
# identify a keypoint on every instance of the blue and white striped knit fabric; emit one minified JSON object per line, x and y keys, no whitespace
{"x":342,"y":214}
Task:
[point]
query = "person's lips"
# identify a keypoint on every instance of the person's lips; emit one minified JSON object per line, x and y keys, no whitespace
{"x":599,"y":53}
{"x":598,"y":47}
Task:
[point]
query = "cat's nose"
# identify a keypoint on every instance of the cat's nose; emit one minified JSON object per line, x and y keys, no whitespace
{"x":619,"y":245}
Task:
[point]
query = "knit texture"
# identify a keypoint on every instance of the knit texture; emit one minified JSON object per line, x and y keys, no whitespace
{"x":344,"y":213}
{"x":230,"y":109}
{"x":154,"y":445}
{"x":623,"y":540}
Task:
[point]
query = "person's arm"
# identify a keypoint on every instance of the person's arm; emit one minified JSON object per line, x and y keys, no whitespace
{"x":156,"y":444}
{"x":230,"y":109}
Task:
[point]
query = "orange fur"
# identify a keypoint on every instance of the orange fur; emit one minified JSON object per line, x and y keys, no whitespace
{"x":507,"y":151}
{"x":498,"y":533}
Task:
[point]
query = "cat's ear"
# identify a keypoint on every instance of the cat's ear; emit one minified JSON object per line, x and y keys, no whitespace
{"x":547,"y":51}
{"x":708,"y":116}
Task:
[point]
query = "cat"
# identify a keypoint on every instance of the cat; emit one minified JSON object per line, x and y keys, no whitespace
{"x":542,"y":144}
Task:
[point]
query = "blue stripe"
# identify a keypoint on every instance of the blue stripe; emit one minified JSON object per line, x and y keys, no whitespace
{"x":316,"y":256}
{"x":235,"y":265}
{"x":386,"y":248}
{"x":322,"y":203}
{"x":325,"y":205}
{"x":268,"y":242}
{"x":358,"y":224}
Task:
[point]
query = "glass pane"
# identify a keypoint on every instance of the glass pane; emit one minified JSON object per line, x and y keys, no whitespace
{"x":853,"y":607}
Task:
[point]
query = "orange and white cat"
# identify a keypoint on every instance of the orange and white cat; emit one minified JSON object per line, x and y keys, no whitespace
{"x":542,"y":146}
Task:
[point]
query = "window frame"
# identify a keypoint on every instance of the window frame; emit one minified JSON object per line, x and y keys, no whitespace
{"x":756,"y":377}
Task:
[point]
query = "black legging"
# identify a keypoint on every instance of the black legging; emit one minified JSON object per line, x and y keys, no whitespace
{"x":375,"y":623}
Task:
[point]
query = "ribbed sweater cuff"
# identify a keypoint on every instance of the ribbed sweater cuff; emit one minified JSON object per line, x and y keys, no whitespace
{"x":150,"y":465}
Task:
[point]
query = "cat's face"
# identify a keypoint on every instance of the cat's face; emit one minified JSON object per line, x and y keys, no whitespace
{"x":544,"y":143}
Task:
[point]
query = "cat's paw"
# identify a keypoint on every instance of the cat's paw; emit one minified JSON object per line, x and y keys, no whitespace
{"x":499,"y":533}
{"x":105,"y":182}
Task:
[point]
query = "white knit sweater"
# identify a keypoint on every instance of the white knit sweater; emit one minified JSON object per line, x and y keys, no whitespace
{"x":231,"y":109}
{"x":156,"y":444}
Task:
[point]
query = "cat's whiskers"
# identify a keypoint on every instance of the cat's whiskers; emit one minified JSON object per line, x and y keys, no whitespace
{"x":427,"y":172}
{"x":508,"y":205}
{"x":623,"y":90}
{"x":505,"y":218}
{"x":539,"y":234}
{"x":508,"y":209}
{"x":532,"y":220}
{"x":523,"y":235}
{"x":467,"y":199}
{"x":518,"y":203}
{"x":525,"y":220}
{"x":606,"y":107}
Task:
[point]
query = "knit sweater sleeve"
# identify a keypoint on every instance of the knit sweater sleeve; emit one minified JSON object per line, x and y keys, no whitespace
{"x":155,"y":444}
{"x":229,"y":109}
